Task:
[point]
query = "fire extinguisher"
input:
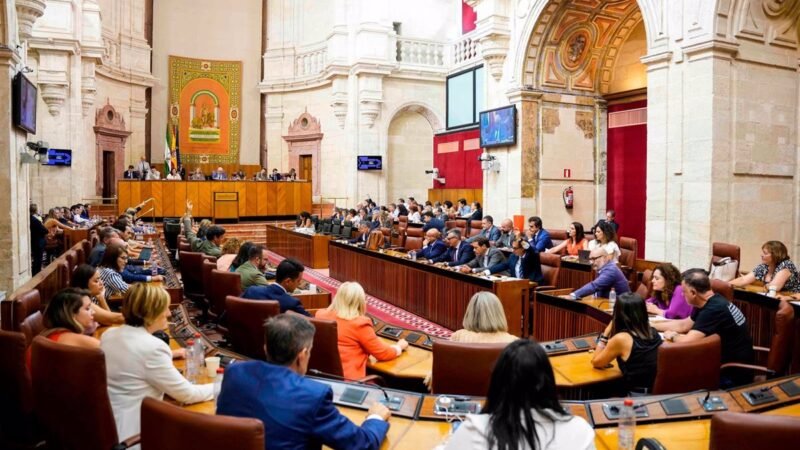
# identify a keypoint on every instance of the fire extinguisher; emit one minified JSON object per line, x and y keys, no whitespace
{"x":568,"y":197}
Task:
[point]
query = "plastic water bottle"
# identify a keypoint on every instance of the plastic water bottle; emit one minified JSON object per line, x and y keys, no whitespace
{"x":154,"y":269}
{"x":199,"y":355}
{"x":191,"y":362}
{"x":627,"y":426}
{"x":612,"y":297}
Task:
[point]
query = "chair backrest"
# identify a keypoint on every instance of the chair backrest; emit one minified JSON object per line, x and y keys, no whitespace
{"x":551,"y":266}
{"x":326,"y":226}
{"x":753,"y":431}
{"x":461,"y":225}
{"x":184,"y":247}
{"x":721,"y":250}
{"x":168,"y":426}
{"x":722,"y":288}
{"x":87,"y":249}
{"x":398,"y":237}
{"x":449,"y":224}
{"x":223,"y":284}
{"x":246,"y":324}
{"x":780,"y":350}
{"x":474,"y":228}
{"x":413,"y":239}
{"x":24,"y":315}
{"x":206,"y":268}
{"x":16,"y":395}
{"x":336,"y":227}
{"x":191,"y":269}
{"x":402,"y":222}
{"x":557,"y":236}
{"x":347,"y":232}
{"x":688,"y":366}
{"x":628,"y":248}
{"x":646,"y":286}
{"x":71,"y":396}
{"x":325,"y":356}
{"x":81,"y":255}
{"x":452,"y":376}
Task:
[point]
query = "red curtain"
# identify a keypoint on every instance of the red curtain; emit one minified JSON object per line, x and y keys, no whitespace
{"x":460,"y":168}
{"x":627,"y":175}
{"x":468,"y":18}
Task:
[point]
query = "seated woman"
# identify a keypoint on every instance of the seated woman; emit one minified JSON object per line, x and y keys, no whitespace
{"x":229,"y":251}
{"x":522,"y":409}
{"x":606,"y":237}
{"x":88,"y":278}
{"x":574,"y":243}
{"x":630,"y":340}
{"x":138,"y":364}
{"x":414,"y":215}
{"x":357,"y":338}
{"x":776,"y":269}
{"x":477,"y":212}
{"x":242,"y":257}
{"x":484,"y":321}
{"x":305,"y":221}
{"x":667,"y":298}
{"x":173,"y":174}
{"x":111,"y":266}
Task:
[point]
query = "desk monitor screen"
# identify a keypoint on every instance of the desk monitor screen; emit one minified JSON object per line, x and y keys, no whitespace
{"x":674,"y":407}
{"x":790,"y":388}
{"x":581,"y":344}
{"x":354,"y":396}
{"x":583,"y":256}
{"x":392,"y":331}
{"x":145,"y":254}
{"x":413,"y":337}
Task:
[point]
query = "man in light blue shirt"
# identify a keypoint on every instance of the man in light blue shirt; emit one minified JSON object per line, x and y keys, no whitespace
{"x":463,"y":208}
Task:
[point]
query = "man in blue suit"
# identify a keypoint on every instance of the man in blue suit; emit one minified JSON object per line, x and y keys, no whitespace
{"x":538,"y":237}
{"x":432,"y":247}
{"x":297,"y":412}
{"x":459,"y":253}
{"x":488,"y":231}
{"x":432,"y":222}
{"x":363,"y":229}
{"x":287,"y":278}
{"x":522,"y":263}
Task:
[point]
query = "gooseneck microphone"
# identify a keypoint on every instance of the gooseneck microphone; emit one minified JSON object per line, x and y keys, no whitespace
{"x":393,"y":402}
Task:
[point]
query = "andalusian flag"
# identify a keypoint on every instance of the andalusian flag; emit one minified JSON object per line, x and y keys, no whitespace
{"x":176,"y":150}
{"x":168,"y":146}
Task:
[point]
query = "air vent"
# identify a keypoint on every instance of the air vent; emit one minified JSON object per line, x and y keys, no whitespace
{"x":627,"y":118}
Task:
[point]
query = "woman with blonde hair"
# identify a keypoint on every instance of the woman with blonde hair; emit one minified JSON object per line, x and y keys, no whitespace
{"x":484,"y":321}
{"x":229,"y":251}
{"x":138,"y":364}
{"x":357,"y":338}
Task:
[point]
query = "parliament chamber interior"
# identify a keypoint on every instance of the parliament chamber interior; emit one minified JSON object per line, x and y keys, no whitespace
{"x":428,"y":224}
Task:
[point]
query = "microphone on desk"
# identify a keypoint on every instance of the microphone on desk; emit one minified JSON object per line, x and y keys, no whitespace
{"x":393,"y":403}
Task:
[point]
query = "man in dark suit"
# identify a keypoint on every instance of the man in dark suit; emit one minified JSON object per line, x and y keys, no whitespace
{"x":459,"y":253}
{"x":432,"y":222}
{"x":522,"y":263}
{"x":538,"y":237}
{"x":297,"y":412}
{"x":38,"y":241}
{"x":130,"y":174}
{"x":610,"y":219}
{"x":287,"y":278}
{"x":432,"y":246}
{"x":276,"y":176}
{"x":364,"y":229}
{"x":486,"y":256}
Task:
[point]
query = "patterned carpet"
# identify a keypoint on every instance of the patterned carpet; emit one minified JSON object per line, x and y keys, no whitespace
{"x":375,"y":307}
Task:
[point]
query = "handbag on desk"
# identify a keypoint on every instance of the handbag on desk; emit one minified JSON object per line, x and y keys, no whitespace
{"x":724,"y":269}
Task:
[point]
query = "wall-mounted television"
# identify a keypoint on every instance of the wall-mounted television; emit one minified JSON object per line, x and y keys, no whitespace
{"x":370,"y":162}
{"x":58,"y":157}
{"x":499,"y":127}
{"x":24,"y":94}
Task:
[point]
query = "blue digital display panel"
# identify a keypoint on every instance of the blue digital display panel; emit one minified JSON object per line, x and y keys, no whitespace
{"x":370,"y":163}
{"x":59,"y":157}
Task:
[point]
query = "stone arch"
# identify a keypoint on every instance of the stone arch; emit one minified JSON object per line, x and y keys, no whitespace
{"x":416,"y":151}
{"x":421,"y":108}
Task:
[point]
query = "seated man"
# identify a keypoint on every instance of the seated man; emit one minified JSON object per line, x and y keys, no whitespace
{"x":610,"y":219}
{"x":712,"y":314}
{"x":252,"y":271}
{"x":432,"y":222}
{"x":608,"y":276}
{"x":219,"y":174}
{"x":459,"y":253}
{"x":213,"y":239}
{"x":130,"y":174}
{"x":276,"y":176}
{"x":538,"y":237}
{"x":486,"y":256}
{"x":522,"y":263}
{"x":105,"y":234}
{"x":488,"y":231}
{"x":363,"y":229}
{"x":432,"y":247}
{"x":77,"y":211}
{"x":507,"y":234}
{"x":297,"y":412}
{"x":287,"y":278}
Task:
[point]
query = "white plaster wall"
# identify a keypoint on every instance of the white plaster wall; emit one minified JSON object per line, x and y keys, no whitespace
{"x":209,"y":29}
{"x":409,"y":154}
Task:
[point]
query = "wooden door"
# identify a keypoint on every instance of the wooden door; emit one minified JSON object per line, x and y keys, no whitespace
{"x":109,"y":175}
{"x":305,"y":168}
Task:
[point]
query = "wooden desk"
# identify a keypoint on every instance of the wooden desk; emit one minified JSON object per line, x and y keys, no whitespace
{"x":311,"y":250}
{"x":434,"y":293}
{"x":574,"y":274}
{"x":760,"y":313}
{"x":414,"y":363}
{"x":255,"y":198}
{"x":575,"y":370}
{"x":686,"y":435}
{"x":559,"y":318}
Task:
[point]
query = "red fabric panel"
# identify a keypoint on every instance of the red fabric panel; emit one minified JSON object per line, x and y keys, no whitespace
{"x":468,"y":18}
{"x":627,"y":175}
{"x":461,"y":169}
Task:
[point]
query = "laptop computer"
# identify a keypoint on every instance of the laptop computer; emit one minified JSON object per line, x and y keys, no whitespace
{"x":583,"y":256}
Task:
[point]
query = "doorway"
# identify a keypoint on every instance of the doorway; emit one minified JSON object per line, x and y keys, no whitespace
{"x":108,"y":174}
{"x":305,"y":172}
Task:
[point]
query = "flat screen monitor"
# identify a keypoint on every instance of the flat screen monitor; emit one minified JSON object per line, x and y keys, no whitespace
{"x":370,"y":162}
{"x":24,"y":95}
{"x":58,"y":157}
{"x":499,"y":127}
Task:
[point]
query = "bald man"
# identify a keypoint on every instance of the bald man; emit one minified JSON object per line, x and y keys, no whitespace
{"x":433,"y":247}
{"x":506,"y":234}
{"x":219,"y":174}
{"x":608,"y":276}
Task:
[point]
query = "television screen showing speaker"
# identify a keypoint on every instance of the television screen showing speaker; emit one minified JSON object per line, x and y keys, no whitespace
{"x":58,"y":157}
{"x":23,"y":106}
{"x":499,"y":127}
{"x":370,"y":162}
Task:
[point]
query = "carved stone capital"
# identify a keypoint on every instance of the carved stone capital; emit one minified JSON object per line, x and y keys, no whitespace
{"x":370,"y":109}
{"x":54,"y":95}
{"x":28,"y":11}
{"x":494,"y":48}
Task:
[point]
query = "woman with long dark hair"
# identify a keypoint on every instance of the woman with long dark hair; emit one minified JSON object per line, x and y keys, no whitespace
{"x":242,"y":257}
{"x":574,"y":242}
{"x":630,"y":340}
{"x":522,"y":409}
{"x":605,"y":237}
{"x":667,"y":297}
{"x":87,"y":277}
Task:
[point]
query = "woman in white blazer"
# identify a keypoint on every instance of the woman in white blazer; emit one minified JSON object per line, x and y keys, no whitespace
{"x":138,"y":364}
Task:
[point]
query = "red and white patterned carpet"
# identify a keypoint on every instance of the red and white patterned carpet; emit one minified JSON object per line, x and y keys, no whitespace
{"x":375,"y":307}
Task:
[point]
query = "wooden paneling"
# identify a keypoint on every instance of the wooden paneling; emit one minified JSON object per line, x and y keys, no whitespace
{"x":440,"y":195}
{"x":312,"y":251}
{"x":256,"y":198}
{"x":574,"y":274}
{"x":557,"y":318}
{"x":435,"y":293}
